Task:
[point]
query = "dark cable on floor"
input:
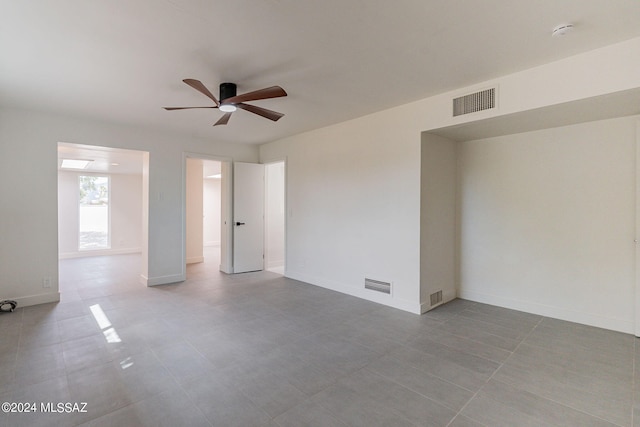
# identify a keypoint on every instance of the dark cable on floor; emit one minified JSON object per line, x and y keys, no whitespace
{"x":7,"y":306}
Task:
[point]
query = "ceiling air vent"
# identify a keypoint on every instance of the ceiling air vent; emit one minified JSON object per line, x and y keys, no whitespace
{"x":479,"y":101}
{"x":377,"y":285}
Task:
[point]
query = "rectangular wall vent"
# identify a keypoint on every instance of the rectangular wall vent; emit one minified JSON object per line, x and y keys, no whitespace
{"x":436,"y":298}
{"x":377,"y":285}
{"x":479,"y":101}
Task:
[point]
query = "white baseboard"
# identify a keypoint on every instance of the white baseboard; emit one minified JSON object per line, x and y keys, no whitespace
{"x":275,"y":264}
{"x":363,"y":293}
{"x":554,"y":312}
{"x":161,"y":280}
{"x":100,"y":252}
{"x":195,"y":260}
{"x":29,"y":300}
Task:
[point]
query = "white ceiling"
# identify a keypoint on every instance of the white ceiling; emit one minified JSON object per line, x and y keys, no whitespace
{"x":122,"y":60}
{"x":103,"y":159}
{"x":117,"y":160}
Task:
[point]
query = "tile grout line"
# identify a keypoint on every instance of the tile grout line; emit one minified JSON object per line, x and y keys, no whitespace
{"x":522,"y":343}
{"x":426,"y":372}
{"x":570,"y":406}
{"x":488,"y":333}
{"x":475,"y":342}
{"x":547,"y":398}
{"x":364,"y":368}
{"x":494,"y":372}
{"x":182,"y":387}
{"x":457,"y":349}
{"x":415,"y":391}
{"x":17,"y":351}
{"x":179,"y":383}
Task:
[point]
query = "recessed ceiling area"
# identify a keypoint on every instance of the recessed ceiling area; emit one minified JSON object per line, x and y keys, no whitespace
{"x":618,"y":104}
{"x":121,"y":62}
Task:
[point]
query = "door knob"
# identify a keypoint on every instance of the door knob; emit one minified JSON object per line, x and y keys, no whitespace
{"x":239,"y":223}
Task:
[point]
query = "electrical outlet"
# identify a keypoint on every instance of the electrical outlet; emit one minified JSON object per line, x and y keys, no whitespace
{"x":46,"y":282}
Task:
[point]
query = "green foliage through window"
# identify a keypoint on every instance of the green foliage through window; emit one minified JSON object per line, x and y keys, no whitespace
{"x":94,"y":190}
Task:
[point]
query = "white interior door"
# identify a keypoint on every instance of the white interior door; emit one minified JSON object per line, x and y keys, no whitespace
{"x":248,"y":217}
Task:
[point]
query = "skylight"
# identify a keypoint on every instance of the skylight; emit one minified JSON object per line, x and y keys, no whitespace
{"x":75,"y":164}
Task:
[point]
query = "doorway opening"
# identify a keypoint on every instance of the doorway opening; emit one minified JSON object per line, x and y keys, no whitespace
{"x":101,"y":214}
{"x":206,"y":227}
{"x":275,"y":208}
{"x":93,"y":224}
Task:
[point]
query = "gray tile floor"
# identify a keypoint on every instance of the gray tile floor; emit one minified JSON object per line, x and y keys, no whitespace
{"x":258,"y":349}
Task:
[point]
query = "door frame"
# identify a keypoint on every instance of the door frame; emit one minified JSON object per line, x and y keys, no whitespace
{"x":284,"y":160}
{"x":226,"y":261}
{"x":637,"y":235}
{"x":144,"y":248}
{"x":286,"y":210}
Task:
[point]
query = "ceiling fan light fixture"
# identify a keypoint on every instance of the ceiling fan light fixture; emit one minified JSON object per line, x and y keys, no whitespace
{"x":227,"y":108}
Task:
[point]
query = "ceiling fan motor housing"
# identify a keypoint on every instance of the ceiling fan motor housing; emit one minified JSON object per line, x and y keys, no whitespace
{"x":227,"y":90}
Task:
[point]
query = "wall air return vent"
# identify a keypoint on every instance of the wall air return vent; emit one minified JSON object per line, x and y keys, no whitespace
{"x":436,"y":298}
{"x":377,"y":285}
{"x":479,"y":101}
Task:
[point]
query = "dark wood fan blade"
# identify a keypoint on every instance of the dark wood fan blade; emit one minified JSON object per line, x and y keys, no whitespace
{"x":269,"y":114}
{"x":183,"y":108}
{"x":197,"y":85}
{"x":223,"y":120}
{"x":266,"y":93}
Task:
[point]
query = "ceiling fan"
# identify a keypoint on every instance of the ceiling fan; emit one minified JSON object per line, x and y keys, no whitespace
{"x":229,"y":101}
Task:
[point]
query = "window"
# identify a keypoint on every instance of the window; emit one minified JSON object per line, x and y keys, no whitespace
{"x":94,"y":212}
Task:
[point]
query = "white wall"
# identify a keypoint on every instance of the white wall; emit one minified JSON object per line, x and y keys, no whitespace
{"x":28,"y":190}
{"x":607,"y":70}
{"x":438,"y":228}
{"x":274,"y":215}
{"x":68,"y":214}
{"x":194,"y":211}
{"x":212,"y":211}
{"x":353,"y":196}
{"x":547,"y":222}
{"x":125,"y":212}
{"x":354,"y":188}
